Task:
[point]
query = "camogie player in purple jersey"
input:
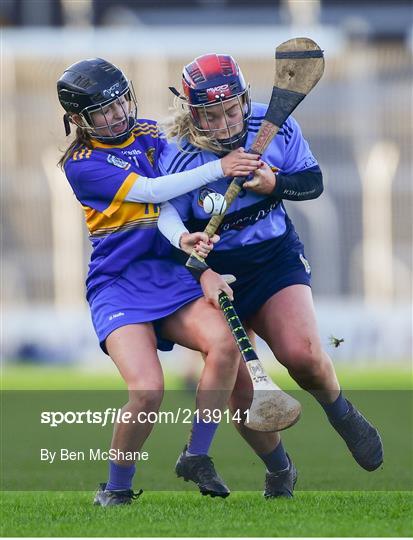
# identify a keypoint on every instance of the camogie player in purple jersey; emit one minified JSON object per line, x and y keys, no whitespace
{"x":139,"y":298}
{"x":258,"y":244}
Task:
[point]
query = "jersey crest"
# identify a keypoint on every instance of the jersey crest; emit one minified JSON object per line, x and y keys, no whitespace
{"x":150,"y":154}
{"x":202,"y":194}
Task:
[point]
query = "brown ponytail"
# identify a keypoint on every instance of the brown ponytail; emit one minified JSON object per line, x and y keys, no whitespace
{"x":82,"y":139}
{"x":180,"y":128}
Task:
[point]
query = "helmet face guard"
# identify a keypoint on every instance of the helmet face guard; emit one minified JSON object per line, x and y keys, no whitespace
{"x":211,"y":80}
{"x":129,"y":108}
{"x":92,"y":86}
{"x":238,"y":129}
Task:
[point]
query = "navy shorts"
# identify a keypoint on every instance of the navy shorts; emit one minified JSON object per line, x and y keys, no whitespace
{"x":262,"y":270}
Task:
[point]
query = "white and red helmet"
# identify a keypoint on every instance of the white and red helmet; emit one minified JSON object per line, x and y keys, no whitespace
{"x":212,"y":79}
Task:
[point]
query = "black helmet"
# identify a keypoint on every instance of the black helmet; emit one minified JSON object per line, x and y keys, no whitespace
{"x":92,"y":85}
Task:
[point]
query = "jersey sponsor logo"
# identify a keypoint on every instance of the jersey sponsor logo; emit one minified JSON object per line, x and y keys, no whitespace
{"x":238,"y":220}
{"x":118,"y":162}
{"x":238,"y":224}
{"x":133,"y":152}
{"x":305,"y":263}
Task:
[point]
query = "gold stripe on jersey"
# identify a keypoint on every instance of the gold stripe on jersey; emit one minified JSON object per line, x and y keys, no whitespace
{"x":145,"y":125}
{"x":141,"y":134}
{"x":81,"y":153}
{"x":146,"y":131}
{"x":98,"y":144}
{"x":129,"y":215}
{"x":141,"y":128}
{"x":121,"y":194}
{"x":129,"y":226}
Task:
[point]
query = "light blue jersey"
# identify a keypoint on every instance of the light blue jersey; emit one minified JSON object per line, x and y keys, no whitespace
{"x":252,"y":218}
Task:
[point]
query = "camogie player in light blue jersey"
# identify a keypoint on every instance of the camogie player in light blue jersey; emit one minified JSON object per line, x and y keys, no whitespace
{"x":258,"y":244}
{"x":136,"y":293}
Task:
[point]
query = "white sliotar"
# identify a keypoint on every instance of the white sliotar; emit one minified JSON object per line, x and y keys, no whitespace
{"x":215,"y":204}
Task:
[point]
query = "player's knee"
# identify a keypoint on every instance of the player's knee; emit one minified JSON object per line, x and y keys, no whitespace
{"x":145,"y":392}
{"x":225,"y":354}
{"x":146,"y":400}
{"x":304,"y":359}
{"x":221,"y":344}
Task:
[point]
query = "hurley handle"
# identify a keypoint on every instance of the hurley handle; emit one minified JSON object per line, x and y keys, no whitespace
{"x":243,"y":341}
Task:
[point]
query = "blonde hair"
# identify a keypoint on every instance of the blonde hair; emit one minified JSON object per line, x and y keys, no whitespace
{"x":82,"y":139}
{"x":180,"y":127}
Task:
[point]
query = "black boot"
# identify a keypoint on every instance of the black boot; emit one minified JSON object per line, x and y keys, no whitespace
{"x":362,"y":439}
{"x":281,"y":484}
{"x":200,"y":469}
{"x":106,"y":497}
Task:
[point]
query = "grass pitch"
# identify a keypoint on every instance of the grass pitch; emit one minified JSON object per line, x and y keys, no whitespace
{"x":32,"y":377}
{"x":188,"y":514}
{"x":244,"y":513}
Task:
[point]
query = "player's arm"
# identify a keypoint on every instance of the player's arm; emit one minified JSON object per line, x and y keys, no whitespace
{"x":300,"y":177}
{"x":299,"y":186}
{"x":172,"y":227}
{"x":164,"y":188}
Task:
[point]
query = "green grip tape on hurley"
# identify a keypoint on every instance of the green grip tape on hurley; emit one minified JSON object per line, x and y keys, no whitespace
{"x":243,"y":341}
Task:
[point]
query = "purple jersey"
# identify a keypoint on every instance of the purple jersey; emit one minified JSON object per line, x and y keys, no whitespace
{"x":121,"y":232}
{"x":252,"y":218}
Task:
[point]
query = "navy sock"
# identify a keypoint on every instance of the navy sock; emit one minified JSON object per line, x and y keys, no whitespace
{"x":336,"y":410}
{"x":120,"y":477}
{"x":201,"y":436}
{"x":276,"y":460}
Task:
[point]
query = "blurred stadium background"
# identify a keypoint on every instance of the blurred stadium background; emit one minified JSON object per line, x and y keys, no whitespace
{"x":358,"y":235}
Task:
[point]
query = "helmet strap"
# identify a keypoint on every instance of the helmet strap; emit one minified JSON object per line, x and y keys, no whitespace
{"x":176,"y":93}
{"x":66,"y":123}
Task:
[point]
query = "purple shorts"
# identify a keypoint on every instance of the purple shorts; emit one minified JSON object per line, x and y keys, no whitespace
{"x":147,"y":291}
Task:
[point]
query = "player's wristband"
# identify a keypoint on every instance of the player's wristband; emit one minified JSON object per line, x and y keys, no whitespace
{"x":299,"y":186}
{"x":197,"y":268}
{"x":181,"y":258}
